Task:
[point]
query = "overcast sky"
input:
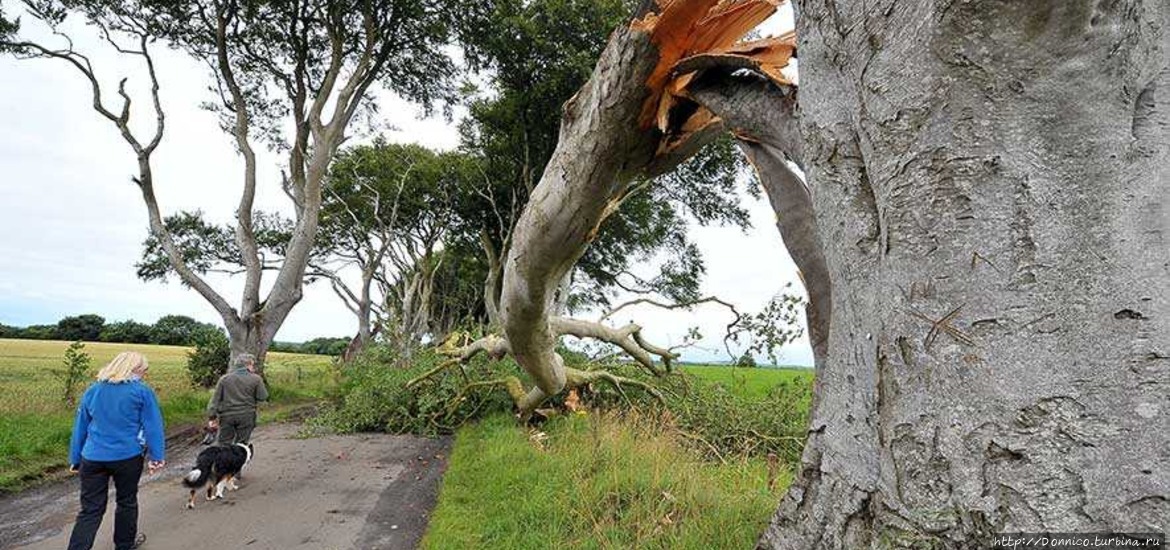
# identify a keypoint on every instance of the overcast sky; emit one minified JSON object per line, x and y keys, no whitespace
{"x":72,"y":223}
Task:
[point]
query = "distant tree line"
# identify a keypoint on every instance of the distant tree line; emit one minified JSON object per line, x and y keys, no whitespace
{"x":169,"y":330}
{"x":319,"y":346}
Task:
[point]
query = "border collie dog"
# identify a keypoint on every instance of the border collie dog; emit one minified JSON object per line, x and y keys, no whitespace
{"x":217,"y":468}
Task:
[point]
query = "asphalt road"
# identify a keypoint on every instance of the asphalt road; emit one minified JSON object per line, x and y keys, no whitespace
{"x":333,"y":492}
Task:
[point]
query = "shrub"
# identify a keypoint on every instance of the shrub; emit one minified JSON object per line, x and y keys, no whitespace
{"x":285,"y":347}
{"x":210,"y":358}
{"x":77,"y":364}
{"x":719,"y":423}
{"x":177,"y":330}
{"x":317,"y":346}
{"x":373,"y":395}
{"x":39,"y":332}
{"x":325,"y":346}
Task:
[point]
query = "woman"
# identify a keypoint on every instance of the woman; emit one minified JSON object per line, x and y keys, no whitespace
{"x":118,"y":415}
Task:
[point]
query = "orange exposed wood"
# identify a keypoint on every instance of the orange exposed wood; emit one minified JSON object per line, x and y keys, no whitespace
{"x":671,"y":30}
{"x":695,"y":34}
{"x":725,"y":27}
{"x":773,"y":54}
{"x":674,"y":88}
{"x":683,"y":28}
{"x":694,"y":125}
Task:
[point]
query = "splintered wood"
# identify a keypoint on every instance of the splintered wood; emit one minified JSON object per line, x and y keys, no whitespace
{"x":693,"y":35}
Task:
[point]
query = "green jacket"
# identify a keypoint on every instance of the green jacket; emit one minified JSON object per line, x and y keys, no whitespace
{"x":237,"y":392}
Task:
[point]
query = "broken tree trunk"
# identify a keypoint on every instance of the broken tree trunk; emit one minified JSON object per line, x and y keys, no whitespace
{"x":626,"y":122}
{"x":991,"y":181}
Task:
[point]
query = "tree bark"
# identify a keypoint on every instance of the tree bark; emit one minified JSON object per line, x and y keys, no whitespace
{"x":590,"y":168}
{"x":248,"y":338}
{"x":491,"y":283}
{"x":764,"y":118}
{"x":365,"y":315}
{"x":564,"y":290}
{"x":795,"y":218}
{"x":991,"y":181}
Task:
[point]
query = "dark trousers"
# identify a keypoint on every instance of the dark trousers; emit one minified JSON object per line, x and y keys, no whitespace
{"x":95,"y":486}
{"x":236,"y":428}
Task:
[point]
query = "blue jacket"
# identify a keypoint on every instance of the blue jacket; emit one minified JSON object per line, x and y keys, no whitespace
{"x":112,"y":421}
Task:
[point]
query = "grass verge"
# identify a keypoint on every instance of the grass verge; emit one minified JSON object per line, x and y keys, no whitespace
{"x":595,"y":481}
{"x":693,"y":473}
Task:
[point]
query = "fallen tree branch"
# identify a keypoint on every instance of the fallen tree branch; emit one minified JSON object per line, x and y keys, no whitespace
{"x":628,"y":338}
{"x":728,"y":335}
{"x":627,"y":122}
{"x":577,"y":378}
{"x":495,"y":346}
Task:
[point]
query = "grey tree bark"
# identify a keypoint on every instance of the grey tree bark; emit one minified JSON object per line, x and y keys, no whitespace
{"x":991,"y":180}
{"x":764,"y":117}
{"x":589,"y":170}
{"x":491,"y":283}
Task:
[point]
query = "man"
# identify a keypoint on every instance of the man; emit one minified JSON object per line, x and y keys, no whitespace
{"x":233,"y":405}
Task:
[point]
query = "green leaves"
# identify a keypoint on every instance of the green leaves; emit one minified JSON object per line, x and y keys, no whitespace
{"x":76,"y":366}
{"x":8,"y":30}
{"x":777,"y":324}
{"x":207,"y":247}
{"x":209,"y":360}
{"x":388,"y":190}
{"x":538,"y":54}
{"x":80,"y":327}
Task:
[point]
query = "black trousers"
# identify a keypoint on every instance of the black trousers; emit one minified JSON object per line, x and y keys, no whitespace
{"x":95,"y":486}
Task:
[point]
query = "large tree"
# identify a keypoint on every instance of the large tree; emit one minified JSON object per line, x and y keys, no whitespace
{"x":387,"y":209}
{"x":291,"y":75}
{"x":81,"y":327}
{"x":987,"y":187}
{"x":534,"y":56}
{"x":628,"y":124}
{"x":991,"y":182}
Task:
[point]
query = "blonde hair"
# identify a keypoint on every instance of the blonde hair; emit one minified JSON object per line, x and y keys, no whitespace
{"x":124,"y":367}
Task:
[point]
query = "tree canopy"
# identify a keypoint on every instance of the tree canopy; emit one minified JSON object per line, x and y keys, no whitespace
{"x":292,"y":76}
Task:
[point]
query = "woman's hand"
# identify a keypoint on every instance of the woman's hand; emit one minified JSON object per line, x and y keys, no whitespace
{"x":155,"y":465}
{"x":74,"y":468}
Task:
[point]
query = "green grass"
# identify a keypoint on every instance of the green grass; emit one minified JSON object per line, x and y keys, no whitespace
{"x":35,"y":424}
{"x":595,"y":481}
{"x":598,"y":480}
{"x":753,"y":382}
